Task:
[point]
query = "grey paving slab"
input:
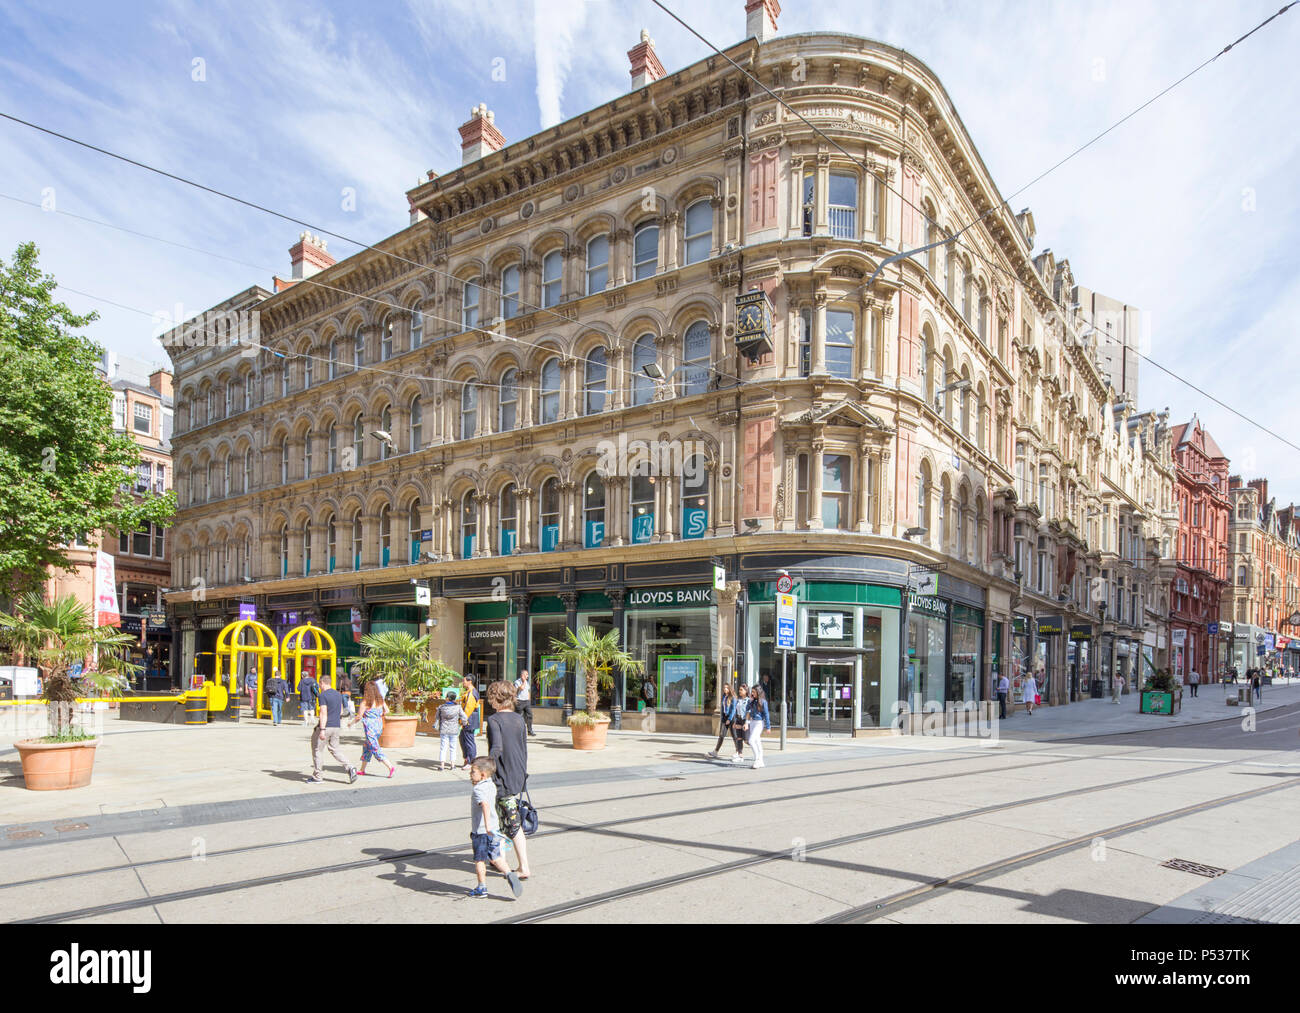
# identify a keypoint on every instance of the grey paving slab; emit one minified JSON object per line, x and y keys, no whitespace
{"x":1265,"y":890}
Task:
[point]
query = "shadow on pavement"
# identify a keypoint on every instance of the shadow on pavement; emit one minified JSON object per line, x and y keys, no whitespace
{"x":411,"y":874}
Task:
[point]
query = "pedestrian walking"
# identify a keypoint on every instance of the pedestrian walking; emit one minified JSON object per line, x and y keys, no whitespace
{"x":250,"y":687}
{"x":1031,"y":693}
{"x":1117,"y":688}
{"x":308,"y":691}
{"x":449,"y":720}
{"x":738,"y":720}
{"x":726,"y":710}
{"x":373,"y":710}
{"x":278,"y":690}
{"x":345,"y":687}
{"x":326,"y":735}
{"x":469,"y":704}
{"x":649,"y":694}
{"x":757,"y":722}
{"x":508,"y":747}
{"x":1193,"y":681}
{"x":524,"y":699}
{"x":1004,"y":687}
{"x":1256,"y":686}
{"x":485,"y":826}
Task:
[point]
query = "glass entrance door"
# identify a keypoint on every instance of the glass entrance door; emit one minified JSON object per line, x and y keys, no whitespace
{"x":485,"y":668}
{"x":830,"y":697}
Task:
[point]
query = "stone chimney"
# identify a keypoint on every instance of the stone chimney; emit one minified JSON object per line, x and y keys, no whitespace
{"x":308,"y":256}
{"x":479,"y":137}
{"x":645,"y":65}
{"x":161,"y":381}
{"x":760,"y":19}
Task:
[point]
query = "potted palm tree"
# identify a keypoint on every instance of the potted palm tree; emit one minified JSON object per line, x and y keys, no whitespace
{"x":61,"y":638}
{"x":594,"y":657}
{"x":411,"y":675}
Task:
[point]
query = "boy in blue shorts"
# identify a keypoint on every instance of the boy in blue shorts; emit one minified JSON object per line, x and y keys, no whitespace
{"x":484,"y":827}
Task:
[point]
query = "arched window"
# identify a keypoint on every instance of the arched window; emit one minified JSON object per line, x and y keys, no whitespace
{"x":469,"y":305}
{"x":508,"y":513}
{"x":306,"y":548}
{"x":595,"y":382}
{"x":965,"y":291}
{"x":550,"y":393}
{"x":306,"y":454}
{"x":641,"y":506}
{"x":468,"y":411}
{"x":284,"y":460}
{"x":644,"y":353}
{"x":981,"y":424}
{"x":805,"y":341}
{"x":284,"y":551}
{"x":645,"y":251}
{"x":841,"y":325}
{"x":926,"y":351}
{"x":385,"y":535}
{"x":247,"y":383}
{"x":334,"y":358}
{"x":248,"y":469}
{"x":949,"y":269}
{"x":946,"y":379}
{"x":931,"y":236}
{"x":510,"y":292}
{"x":695,"y":358}
{"x":356,"y":540}
{"x":284,"y":385}
{"x":232,"y":403}
{"x":417,"y":425}
{"x":965,"y":404}
{"x":597,"y":264}
{"x":386,"y":338}
{"x":552,"y":275}
{"x":386,"y":424}
{"x":983,"y":329}
{"x":417,"y":326}
{"x":359,"y":348}
{"x":695,"y":497}
{"x":227,"y":485}
{"x":413,"y":537}
{"x":509,"y":416}
{"x":962,"y":505}
{"x":358,"y":441}
{"x":308,"y":364}
{"x":468,"y":525}
{"x":331,"y":542}
{"x":333,"y":460}
{"x":699,"y":231}
{"x":837,"y":490}
{"x":248,"y":559}
{"x":593,"y":511}
{"x":548,"y":528}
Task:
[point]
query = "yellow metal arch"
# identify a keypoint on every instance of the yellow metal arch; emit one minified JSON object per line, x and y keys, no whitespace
{"x":293,"y":649}
{"x":230,"y":646}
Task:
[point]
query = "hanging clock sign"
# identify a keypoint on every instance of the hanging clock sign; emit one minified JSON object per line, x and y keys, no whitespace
{"x":754,"y":324}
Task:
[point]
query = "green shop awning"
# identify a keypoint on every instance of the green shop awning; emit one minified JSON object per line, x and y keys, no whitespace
{"x":763,"y":591}
{"x":481,"y":610}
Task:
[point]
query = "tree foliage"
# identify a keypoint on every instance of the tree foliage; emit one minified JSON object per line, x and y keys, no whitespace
{"x":61,"y":463}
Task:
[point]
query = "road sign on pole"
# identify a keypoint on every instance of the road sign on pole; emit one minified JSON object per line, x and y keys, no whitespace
{"x":784,"y":584}
{"x":785,"y":619}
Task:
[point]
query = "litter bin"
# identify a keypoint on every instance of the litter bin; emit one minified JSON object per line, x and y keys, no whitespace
{"x":1094,"y":689}
{"x":1243,"y":694}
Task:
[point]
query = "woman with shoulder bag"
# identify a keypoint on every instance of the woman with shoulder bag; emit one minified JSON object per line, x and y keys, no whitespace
{"x":756,"y":723}
{"x":507,"y":737}
{"x":469,"y":704}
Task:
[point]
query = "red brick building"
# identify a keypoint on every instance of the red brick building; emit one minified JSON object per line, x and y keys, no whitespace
{"x":1201,"y":495}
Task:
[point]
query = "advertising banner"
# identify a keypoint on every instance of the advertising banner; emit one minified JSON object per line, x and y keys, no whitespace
{"x":106,"y":613}
{"x":680,"y":682}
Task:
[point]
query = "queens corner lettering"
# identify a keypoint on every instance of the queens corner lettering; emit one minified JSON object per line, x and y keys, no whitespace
{"x":75,"y":966}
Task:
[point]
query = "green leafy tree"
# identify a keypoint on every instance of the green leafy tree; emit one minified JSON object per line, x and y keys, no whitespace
{"x":403,"y":662}
{"x":61,"y":463}
{"x":60,"y":635}
{"x":594,"y":657}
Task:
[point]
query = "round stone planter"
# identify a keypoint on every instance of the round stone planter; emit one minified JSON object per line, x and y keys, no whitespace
{"x":589,"y":736}
{"x":399,"y":731}
{"x":56,"y":766}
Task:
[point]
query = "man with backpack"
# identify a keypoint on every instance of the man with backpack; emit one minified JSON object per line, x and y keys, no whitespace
{"x":307,"y":692}
{"x":278,"y":690}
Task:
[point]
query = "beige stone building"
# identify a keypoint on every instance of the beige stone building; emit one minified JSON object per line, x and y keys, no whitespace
{"x":663,"y":336}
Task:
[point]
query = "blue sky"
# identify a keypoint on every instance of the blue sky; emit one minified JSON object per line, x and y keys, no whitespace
{"x":1190,"y":211}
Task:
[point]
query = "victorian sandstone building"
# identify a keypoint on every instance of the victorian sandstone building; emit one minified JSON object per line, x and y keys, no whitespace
{"x":540,"y":399}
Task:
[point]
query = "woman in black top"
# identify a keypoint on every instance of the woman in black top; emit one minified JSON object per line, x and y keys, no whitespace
{"x":508,"y":746}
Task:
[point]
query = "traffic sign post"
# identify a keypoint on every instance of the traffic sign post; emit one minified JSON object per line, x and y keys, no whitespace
{"x":786,"y":610}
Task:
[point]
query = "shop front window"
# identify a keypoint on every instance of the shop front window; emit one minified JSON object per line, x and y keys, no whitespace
{"x":547,"y":669}
{"x":963,"y":680}
{"x":695,"y":498}
{"x":642,"y":507}
{"x":601,"y":623}
{"x":677,"y":647}
{"x":549,"y":515}
{"x":926,"y":657}
{"x":593,"y":512}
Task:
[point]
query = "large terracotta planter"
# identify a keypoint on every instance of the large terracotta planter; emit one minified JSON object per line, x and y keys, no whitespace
{"x":399,"y":731}
{"x":589,"y":736}
{"x":54,"y":766}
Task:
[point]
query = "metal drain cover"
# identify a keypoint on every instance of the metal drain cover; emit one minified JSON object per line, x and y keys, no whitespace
{"x":1196,"y":868}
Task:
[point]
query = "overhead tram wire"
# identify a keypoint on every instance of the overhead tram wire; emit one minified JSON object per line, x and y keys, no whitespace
{"x":955,"y":237}
{"x":737,"y":381}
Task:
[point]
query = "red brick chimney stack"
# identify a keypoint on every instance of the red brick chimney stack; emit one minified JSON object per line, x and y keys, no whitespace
{"x":308,"y":256}
{"x":645,"y":65}
{"x":760,"y":19}
{"x":479,"y":137}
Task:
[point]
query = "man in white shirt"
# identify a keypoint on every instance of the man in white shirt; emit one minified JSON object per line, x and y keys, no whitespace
{"x":524,"y":699}
{"x":1193,"y":681}
{"x":1004,"y":687}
